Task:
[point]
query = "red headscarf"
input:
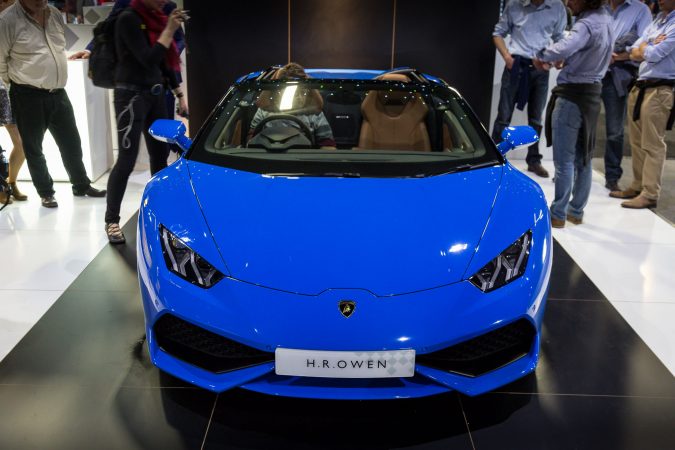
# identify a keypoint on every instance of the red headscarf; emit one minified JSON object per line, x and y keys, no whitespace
{"x":155,"y":21}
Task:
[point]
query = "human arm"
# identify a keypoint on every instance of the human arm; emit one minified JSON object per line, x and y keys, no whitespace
{"x":501,"y":48}
{"x":560,"y":25}
{"x":661,"y":47}
{"x":128,"y":32}
{"x":501,"y":30}
{"x":5,"y":47}
{"x":637,"y":50}
{"x":566,"y":47}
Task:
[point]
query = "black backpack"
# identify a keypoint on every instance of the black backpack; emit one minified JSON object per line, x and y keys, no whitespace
{"x":103,"y":57}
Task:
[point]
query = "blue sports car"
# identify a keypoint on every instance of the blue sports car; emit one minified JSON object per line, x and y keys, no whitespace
{"x":346,"y":234}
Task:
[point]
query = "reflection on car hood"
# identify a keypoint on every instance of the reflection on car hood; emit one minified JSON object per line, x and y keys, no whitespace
{"x":386,"y":235}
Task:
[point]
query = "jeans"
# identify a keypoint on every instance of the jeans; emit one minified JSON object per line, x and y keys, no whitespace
{"x":572,"y":175}
{"x":535,"y":107}
{"x":135,"y":112}
{"x":615,"y":118}
{"x":37,"y":111}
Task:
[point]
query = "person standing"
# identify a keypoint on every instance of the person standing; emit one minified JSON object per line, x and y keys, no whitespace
{"x":572,"y":113}
{"x":650,"y":108}
{"x":630,"y":19}
{"x":147,"y":62}
{"x":16,"y":156}
{"x":532,"y":24}
{"x":33,"y":61}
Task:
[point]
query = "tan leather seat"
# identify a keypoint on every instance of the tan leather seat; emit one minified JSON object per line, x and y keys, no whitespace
{"x":394,"y":120}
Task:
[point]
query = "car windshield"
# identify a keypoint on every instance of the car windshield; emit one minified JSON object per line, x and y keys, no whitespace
{"x":328,"y":127}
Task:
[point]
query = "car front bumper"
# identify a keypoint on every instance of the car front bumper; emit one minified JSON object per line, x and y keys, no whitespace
{"x":264,"y":319}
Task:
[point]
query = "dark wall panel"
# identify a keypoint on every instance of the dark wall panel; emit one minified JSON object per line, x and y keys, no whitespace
{"x":452,"y":40}
{"x":229,"y":39}
{"x":350,"y":34}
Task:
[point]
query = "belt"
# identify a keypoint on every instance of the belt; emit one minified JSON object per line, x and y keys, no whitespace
{"x":642,"y":86}
{"x":29,"y":88}
{"x":155,"y":89}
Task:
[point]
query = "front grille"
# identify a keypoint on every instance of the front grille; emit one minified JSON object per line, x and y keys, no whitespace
{"x":484,"y":353}
{"x":203,"y":348}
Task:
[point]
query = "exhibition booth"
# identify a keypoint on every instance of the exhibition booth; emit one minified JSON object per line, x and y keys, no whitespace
{"x":242,"y":277}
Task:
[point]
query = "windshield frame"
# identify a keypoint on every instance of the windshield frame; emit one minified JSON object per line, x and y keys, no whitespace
{"x":345,"y":162}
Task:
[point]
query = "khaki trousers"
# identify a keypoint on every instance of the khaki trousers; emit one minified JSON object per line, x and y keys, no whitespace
{"x":647,"y":138}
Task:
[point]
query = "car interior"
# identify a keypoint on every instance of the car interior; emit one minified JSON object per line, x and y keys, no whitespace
{"x":360,"y":120}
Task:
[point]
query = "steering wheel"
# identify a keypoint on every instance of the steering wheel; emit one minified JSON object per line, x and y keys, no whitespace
{"x":303,"y":127}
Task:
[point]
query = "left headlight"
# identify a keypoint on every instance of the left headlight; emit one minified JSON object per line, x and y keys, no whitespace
{"x":184,"y":262}
{"x":509,"y":265}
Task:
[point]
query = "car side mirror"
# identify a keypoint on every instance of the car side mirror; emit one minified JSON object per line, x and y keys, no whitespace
{"x":171,"y":132}
{"x":514,"y":137}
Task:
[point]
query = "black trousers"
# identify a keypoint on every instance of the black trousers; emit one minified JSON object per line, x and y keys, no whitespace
{"x":135,"y":112}
{"x":37,"y":111}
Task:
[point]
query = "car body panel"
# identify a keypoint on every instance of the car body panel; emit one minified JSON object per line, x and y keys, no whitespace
{"x":308,"y":234}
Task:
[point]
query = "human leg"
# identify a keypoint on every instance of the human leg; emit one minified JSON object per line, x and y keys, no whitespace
{"x":535,"y":108}
{"x":130,"y":113}
{"x":615,"y":118}
{"x":157,"y":151}
{"x":566,"y":125}
{"x":31,"y":122}
{"x":507,"y":98}
{"x":583,"y":178}
{"x":16,"y":160}
{"x":63,"y":128}
{"x":654,"y":117}
{"x":635,"y":139}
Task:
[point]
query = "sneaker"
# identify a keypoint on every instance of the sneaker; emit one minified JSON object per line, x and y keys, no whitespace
{"x":90,"y":192}
{"x":49,"y":202}
{"x":17,"y":194}
{"x":612,"y":185}
{"x":114,"y":232}
{"x":538,"y":169}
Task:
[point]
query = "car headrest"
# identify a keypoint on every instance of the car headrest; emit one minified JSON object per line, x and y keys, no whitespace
{"x":394,"y":77}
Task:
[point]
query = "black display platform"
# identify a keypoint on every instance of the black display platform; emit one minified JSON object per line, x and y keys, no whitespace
{"x":81,"y":379}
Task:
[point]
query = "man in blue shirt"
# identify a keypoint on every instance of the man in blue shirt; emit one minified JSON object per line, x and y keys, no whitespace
{"x":573,"y":111}
{"x":650,"y":108}
{"x":532,"y":24}
{"x":630,"y":18}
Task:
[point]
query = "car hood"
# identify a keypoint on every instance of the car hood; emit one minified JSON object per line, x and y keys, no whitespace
{"x":309,"y":234}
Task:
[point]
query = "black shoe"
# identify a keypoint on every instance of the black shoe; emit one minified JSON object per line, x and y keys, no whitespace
{"x":49,"y":202}
{"x":538,"y":169}
{"x":90,"y":192}
{"x":612,"y":185}
{"x":114,"y":232}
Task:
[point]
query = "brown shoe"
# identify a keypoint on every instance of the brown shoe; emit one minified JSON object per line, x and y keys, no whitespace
{"x":557,"y":223}
{"x":639,"y":202}
{"x":575,"y":220}
{"x":17,"y":194}
{"x":628,"y":193}
{"x":538,"y":169}
{"x":5,"y":199}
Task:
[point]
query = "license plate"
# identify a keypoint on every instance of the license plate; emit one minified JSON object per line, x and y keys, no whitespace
{"x":327,"y":364}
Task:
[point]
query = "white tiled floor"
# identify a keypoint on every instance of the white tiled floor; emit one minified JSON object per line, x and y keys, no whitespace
{"x":629,"y":255}
{"x":44,"y":250}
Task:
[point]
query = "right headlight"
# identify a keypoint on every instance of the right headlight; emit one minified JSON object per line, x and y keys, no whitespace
{"x":186,"y":263}
{"x":509,"y":265}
